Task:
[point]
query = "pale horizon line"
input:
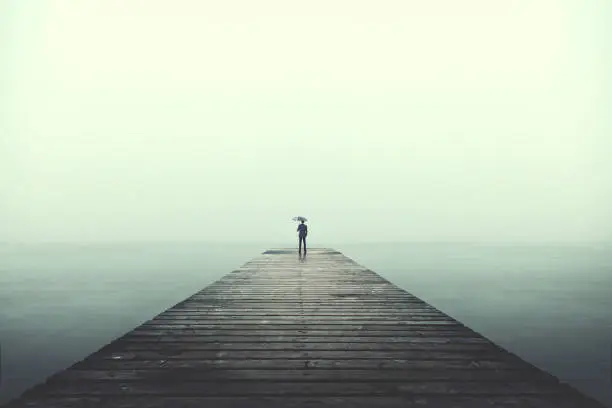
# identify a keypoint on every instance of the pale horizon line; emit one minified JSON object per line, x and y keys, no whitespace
{"x":287,"y":244}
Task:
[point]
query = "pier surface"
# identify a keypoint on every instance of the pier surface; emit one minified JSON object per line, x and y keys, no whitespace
{"x":286,"y":333}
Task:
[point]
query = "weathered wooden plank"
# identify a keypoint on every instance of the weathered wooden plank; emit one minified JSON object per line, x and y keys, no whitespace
{"x":255,"y":343}
{"x":406,"y":330}
{"x":309,"y":401}
{"x":314,"y":319}
{"x":350,"y":364}
{"x":349,"y":284}
{"x":294,"y":318}
{"x":221,"y":314}
{"x":206,"y":354}
{"x":306,"y":374}
{"x":168,"y":386}
{"x":294,"y":295}
{"x":308,"y":309}
{"x":293,"y":333}
{"x":298,"y":311}
{"x":368,"y":298}
{"x":314,"y":314}
{"x":445,"y":331}
{"x":407,"y":319}
{"x":202,"y":344}
{"x":280,"y":303}
{"x":356,"y":286}
{"x":302,"y":320}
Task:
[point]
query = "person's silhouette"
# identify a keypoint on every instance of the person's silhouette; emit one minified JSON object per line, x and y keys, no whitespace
{"x":302,"y":233}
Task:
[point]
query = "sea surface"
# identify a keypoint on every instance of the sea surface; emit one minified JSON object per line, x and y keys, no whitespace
{"x":551,"y":305}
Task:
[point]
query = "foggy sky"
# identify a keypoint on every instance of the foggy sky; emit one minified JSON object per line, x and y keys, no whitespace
{"x":379,"y":120}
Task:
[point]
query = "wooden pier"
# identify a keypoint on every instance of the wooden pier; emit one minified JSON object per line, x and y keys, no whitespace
{"x":280,"y":332}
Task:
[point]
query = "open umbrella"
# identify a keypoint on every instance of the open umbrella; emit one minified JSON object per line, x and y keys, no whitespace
{"x":299,"y":218}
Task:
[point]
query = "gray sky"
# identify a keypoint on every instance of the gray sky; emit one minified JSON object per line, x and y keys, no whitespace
{"x":379,"y":120}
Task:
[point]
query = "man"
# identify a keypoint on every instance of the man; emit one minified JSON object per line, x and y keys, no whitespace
{"x":302,"y":232}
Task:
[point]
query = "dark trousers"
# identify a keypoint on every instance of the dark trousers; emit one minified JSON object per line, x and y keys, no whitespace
{"x":302,"y":239}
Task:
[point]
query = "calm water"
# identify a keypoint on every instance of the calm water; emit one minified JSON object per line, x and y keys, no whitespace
{"x":550,"y":305}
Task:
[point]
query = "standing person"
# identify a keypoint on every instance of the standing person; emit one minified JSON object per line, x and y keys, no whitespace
{"x":302,"y":232}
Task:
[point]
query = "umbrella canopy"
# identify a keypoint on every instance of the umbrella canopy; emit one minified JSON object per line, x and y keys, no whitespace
{"x":299,"y":218}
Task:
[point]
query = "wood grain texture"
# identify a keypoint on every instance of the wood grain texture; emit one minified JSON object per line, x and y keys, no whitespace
{"x":322,"y":332}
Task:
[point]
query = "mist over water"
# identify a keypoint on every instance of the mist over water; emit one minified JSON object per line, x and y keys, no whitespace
{"x":471,"y":121}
